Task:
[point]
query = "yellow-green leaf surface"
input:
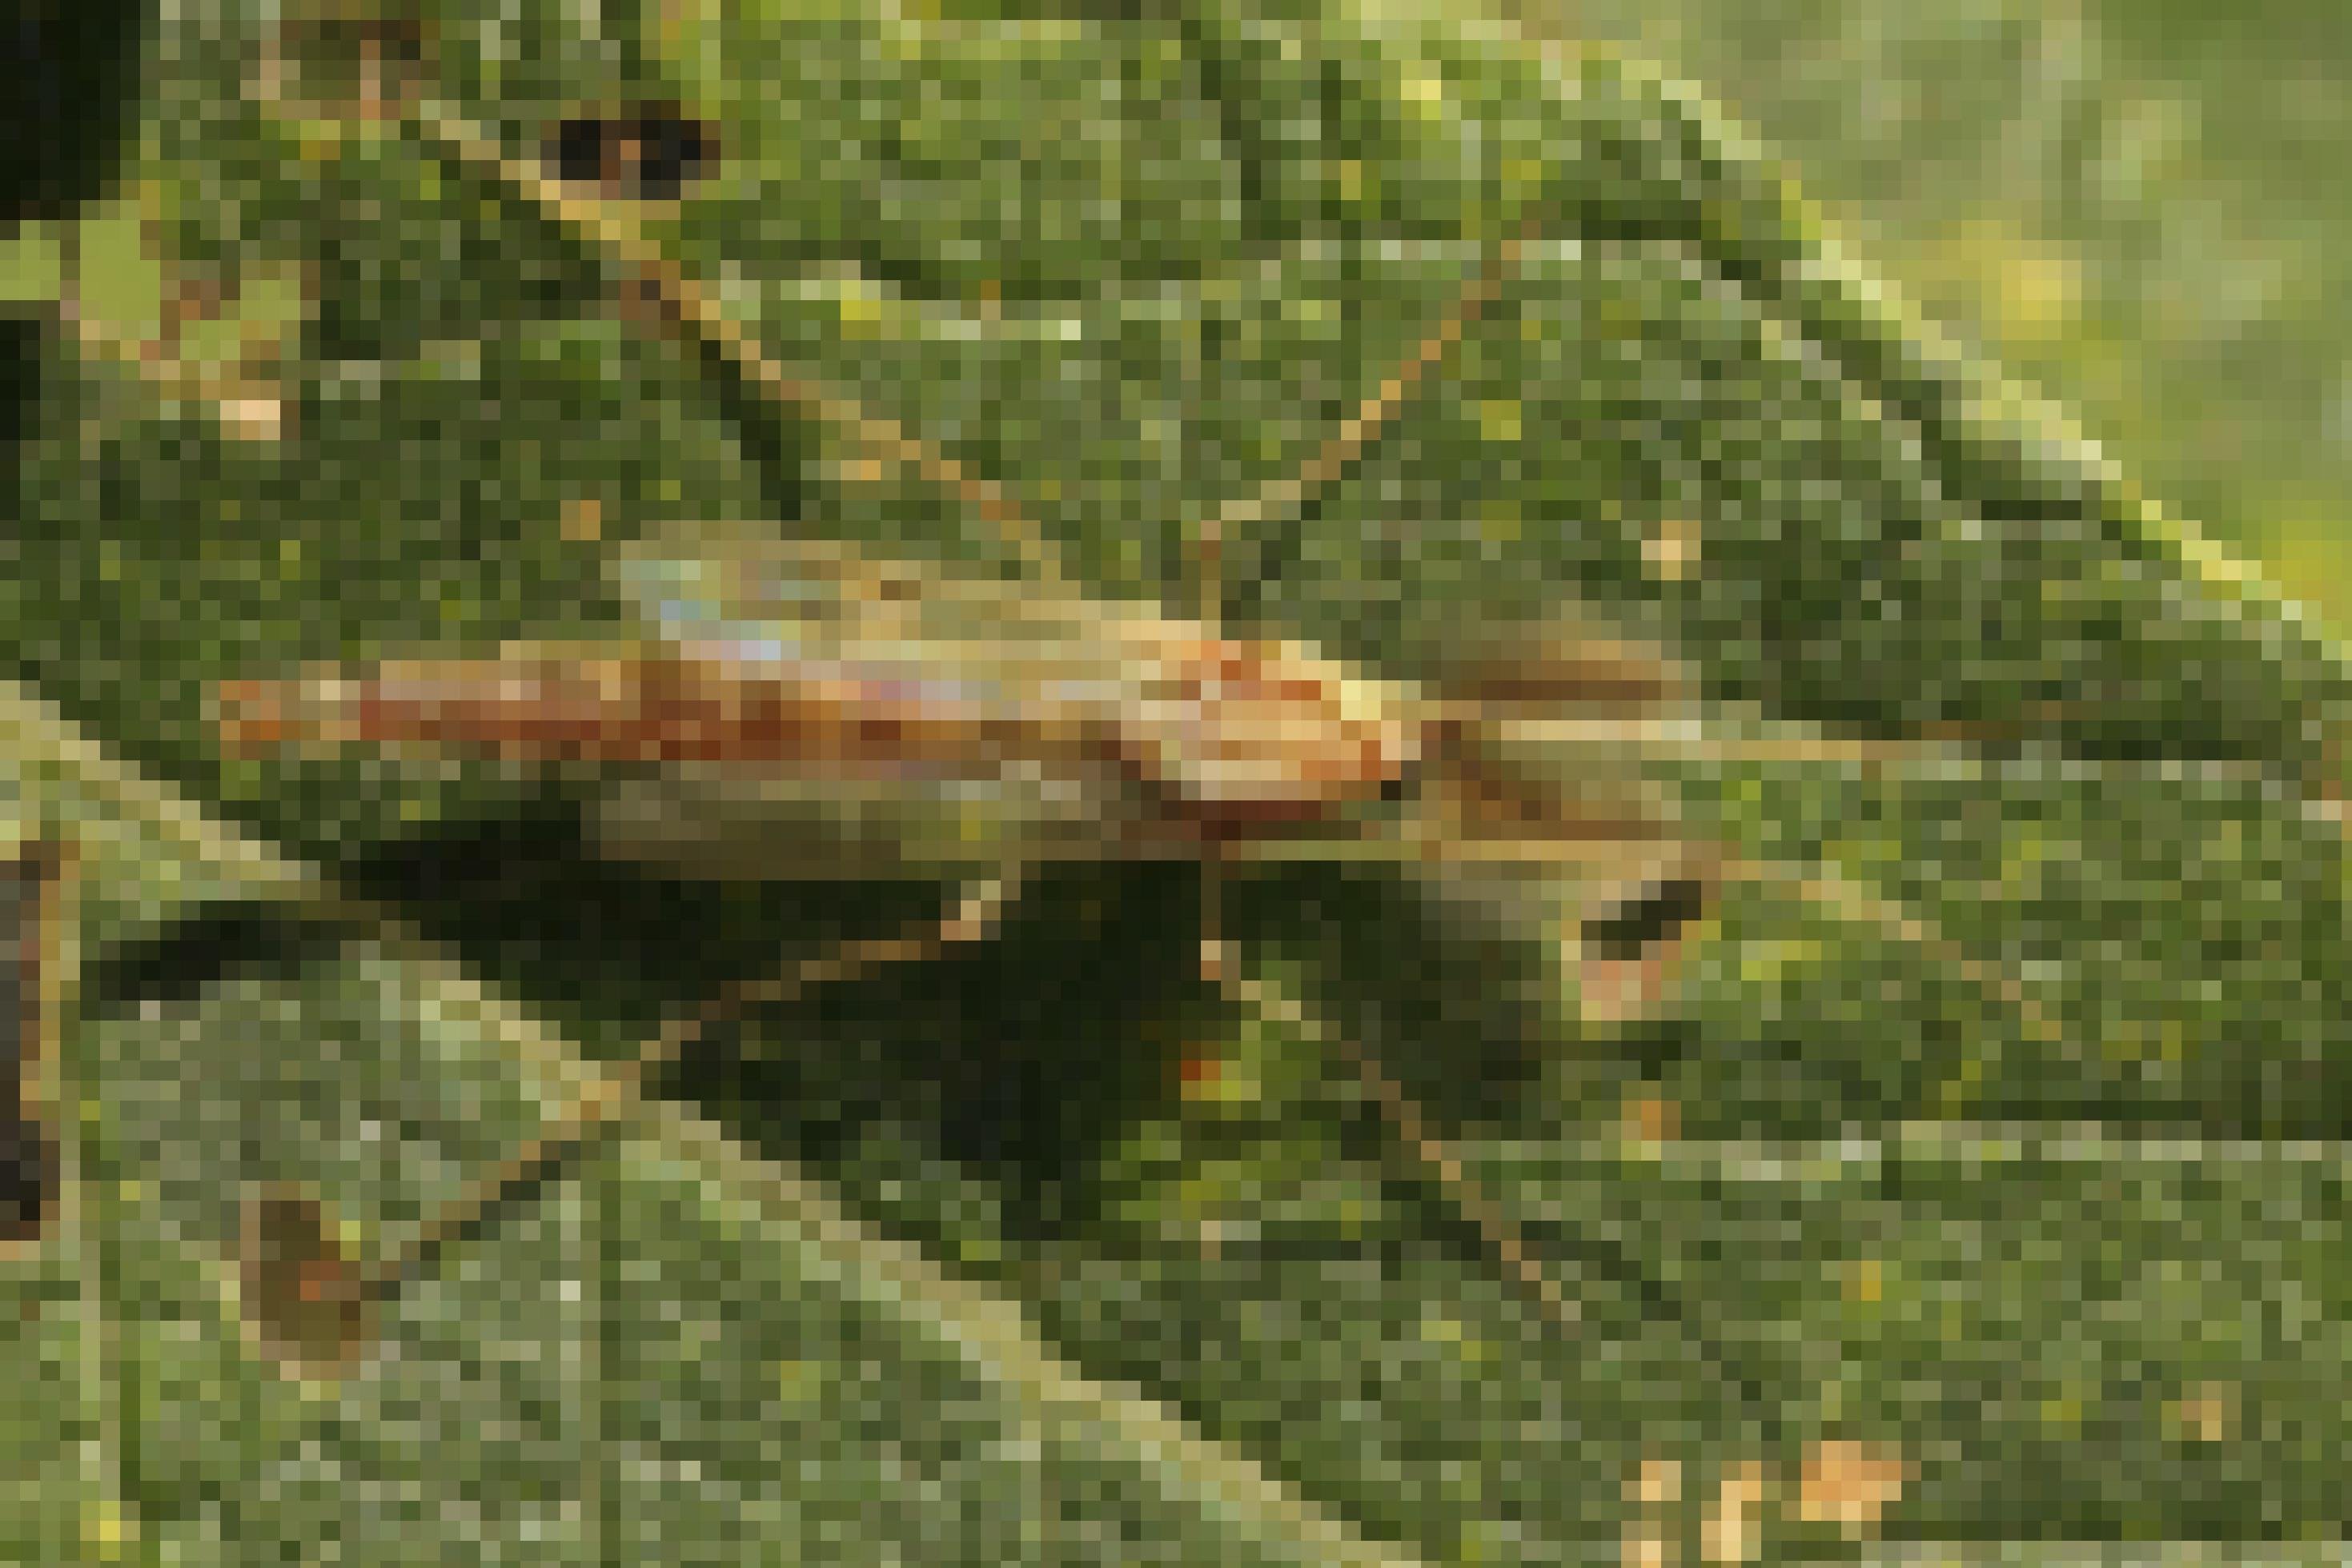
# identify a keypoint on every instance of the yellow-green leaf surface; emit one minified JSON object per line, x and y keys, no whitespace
{"x":1969,"y":1122}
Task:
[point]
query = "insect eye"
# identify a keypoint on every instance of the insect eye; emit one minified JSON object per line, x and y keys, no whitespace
{"x":1654,"y":916}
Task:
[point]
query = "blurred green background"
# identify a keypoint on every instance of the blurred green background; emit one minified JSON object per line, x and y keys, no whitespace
{"x":2135,"y":205}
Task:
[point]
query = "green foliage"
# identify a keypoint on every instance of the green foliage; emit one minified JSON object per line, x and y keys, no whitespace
{"x":1043,"y":1253}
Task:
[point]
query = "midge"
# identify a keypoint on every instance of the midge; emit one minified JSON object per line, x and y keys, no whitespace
{"x":800,"y":709}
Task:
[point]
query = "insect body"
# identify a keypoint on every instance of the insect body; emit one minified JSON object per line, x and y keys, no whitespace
{"x":794,"y":709}
{"x":758,"y":672}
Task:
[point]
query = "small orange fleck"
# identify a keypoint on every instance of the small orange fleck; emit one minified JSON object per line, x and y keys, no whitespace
{"x":321,"y":1278}
{"x":1658,"y":1483}
{"x":583,"y":519}
{"x":252,"y":716}
{"x":1652,"y":1118}
{"x":1850,"y":1485}
{"x":1671,"y":550}
{"x":2204,"y":1415}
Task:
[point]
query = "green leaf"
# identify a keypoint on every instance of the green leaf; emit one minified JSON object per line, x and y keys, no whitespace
{"x":1044,"y":1250}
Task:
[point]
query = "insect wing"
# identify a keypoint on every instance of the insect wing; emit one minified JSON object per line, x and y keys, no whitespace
{"x":907,"y":648}
{"x":892,"y":634}
{"x":1233,"y":735}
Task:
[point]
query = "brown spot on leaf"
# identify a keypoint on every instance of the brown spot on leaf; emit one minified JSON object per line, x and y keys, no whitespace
{"x":305,"y":1298}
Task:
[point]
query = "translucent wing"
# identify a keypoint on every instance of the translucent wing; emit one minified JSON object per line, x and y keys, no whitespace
{"x":888,"y":633}
{"x":1231,"y":733}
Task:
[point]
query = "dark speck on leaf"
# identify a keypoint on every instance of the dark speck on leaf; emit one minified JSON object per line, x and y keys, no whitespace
{"x":647,"y":154}
{"x":28,"y":1174}
{"x":1642,"y":922}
